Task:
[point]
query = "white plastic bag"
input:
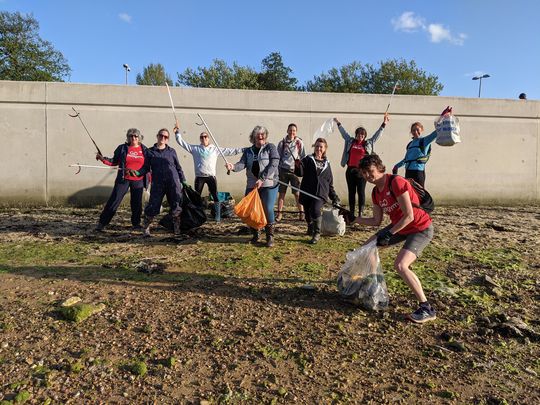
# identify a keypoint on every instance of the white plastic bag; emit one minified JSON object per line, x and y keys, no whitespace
{"x":332,"y":222}
{"x":361,"y":280}
{"x":447,"y":127}
{"x":325,"y":130}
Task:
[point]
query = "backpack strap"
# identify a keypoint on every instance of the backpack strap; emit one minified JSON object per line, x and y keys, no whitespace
{"x":392,"y":177}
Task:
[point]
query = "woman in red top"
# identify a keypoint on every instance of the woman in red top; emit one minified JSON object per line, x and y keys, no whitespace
{"x":396,"y":197}
{"x":128,"y":157}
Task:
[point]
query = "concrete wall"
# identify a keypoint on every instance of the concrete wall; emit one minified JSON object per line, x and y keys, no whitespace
{"x":498,"y":160}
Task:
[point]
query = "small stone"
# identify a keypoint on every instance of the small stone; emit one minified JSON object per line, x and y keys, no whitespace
{"x":70,"y":301}
{"x":531,"y":372}
{"x":4,"y":345}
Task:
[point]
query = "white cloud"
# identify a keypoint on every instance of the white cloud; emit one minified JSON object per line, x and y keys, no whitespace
{"x":125,"y":17}
{"x":408,"y":22}
{"x":411,"y":22}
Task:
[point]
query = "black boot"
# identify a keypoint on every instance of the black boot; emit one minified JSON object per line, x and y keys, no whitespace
{"x":269,"y":235}
{"x":176,"y":224}
{"x":146,"y":225}
{"x":309,"y":231}
{"x":316,"y":231}
{"x":254,"y":235}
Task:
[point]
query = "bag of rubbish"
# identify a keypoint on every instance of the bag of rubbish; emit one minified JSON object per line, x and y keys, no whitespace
{"x":332,"y":222}
{"x":193,"y":215}
{"x":361,"y":280}
{"x":447,"y":126}
{"x":226,"y":201}
{"x":250,"y":210}
{"x":324,"y":131}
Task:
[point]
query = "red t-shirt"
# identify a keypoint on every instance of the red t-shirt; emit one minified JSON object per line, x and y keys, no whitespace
{"x":134,"y":161}
{"x":390,"y":206}
{"x":356,"y":153}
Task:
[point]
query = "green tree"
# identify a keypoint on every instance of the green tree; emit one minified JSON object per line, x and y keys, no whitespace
{"x":358,"y":78}
{"x":275,"y":75}
{"x":220,"y":75}
{"x":349,"y":78}
{"x":154,"y":75}
{"x":24,"y":55}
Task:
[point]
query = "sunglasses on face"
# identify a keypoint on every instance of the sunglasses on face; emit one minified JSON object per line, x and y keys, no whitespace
{"x":163,"y":136}
{"x":133,"y":136}
{"x":204,"y":136}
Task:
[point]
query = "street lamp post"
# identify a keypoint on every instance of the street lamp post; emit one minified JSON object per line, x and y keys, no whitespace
{"x":127,"y":70}
{"x":480,"y":84}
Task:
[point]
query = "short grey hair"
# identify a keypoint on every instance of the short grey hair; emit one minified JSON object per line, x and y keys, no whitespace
{"x":255,"y":131}
{"x":134,"y":131}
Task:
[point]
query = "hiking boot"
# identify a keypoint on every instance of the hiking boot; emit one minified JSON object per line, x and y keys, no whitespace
{"x":99,"y":227}
{"x":316,"y":231}
{"x":424,"y":313}
{"x":254,"y":235}
{"x":146,"y":226}
{"x":279,"y":216}
{"x":269,"y":235}
{"x":176,"y":224}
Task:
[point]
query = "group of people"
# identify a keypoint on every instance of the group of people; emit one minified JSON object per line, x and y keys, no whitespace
{"x":271,"y":170}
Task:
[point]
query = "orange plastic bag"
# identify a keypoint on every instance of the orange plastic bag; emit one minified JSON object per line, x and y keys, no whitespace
{"x":250,"y":210}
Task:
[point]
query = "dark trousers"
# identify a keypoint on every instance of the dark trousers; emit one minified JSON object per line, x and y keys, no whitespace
{"x":417,"y":175}
{"x":211,"y":182}
{"x":172,"y":189}
{"x":356,"y":184}
{"x":312,"y":209}
{"x":119,"y":191}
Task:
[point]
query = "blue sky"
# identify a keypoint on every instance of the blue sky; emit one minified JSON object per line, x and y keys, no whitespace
{"x":453,"y":40}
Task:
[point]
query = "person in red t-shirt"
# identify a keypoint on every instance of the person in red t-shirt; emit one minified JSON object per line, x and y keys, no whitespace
{"x":128,"y":157}
{"x":409,"y":223}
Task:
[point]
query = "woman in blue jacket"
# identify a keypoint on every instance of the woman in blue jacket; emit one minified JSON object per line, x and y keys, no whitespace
{"x":417,"y":154}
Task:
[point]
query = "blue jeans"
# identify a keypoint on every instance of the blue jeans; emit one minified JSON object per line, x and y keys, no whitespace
{"x":268,"y":197}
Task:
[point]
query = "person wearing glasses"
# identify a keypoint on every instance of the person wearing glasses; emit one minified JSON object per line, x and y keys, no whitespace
{"x":127,"y":156}
{"x":261,"y":162}
{"x":167,"y":180}
{"x":205,"y":156}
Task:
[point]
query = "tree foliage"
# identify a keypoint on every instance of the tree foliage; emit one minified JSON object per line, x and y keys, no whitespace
{"x":220,"y":75}
{"x":24,"y":55}
{"x":274,"y":75}
{"x":358,"y":78}
{"x":154,"y":75}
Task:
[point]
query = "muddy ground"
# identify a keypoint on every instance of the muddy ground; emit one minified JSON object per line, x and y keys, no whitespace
{"x":208,"y":318}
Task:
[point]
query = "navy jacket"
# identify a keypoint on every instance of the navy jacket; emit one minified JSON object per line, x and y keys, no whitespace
{"x":322,"y":185}
{"x":119,"y":159}
{"x":164,"y":165}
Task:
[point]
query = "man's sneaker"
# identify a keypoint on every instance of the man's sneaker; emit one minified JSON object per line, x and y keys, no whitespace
{"x":423,"y":314}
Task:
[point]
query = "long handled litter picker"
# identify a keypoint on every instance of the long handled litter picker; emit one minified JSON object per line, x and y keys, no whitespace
{"x":78,"y":115}
{"x":393,"y":91}
{"x":213,"y":139}
{"x":342,"y":210}
{"x":172,"y":104}
{"x":93,"y":167}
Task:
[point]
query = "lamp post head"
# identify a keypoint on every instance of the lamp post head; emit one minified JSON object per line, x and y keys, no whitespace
{"x":481,"y":77}
{"x":126,"y":66}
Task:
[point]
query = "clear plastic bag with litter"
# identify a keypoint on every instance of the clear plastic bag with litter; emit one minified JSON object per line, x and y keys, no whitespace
{"x":361,"y":280}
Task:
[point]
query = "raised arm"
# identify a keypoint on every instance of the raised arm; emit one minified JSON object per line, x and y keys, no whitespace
{"x":178,"y":135}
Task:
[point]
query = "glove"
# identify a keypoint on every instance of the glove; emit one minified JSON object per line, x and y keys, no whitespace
{"x":383,"y":238}
{"x":134,"y":173}
{"x":185,"y":184}
{"x":394,"y":170}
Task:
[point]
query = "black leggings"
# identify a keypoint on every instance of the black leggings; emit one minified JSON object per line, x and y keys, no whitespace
{"x":211,"y":182}
{"x":417,"y":175}
{"x":312,"y":209}
{"x":356,"y":184}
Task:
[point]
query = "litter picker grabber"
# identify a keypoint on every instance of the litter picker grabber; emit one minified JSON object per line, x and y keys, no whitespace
{"x":172,"y":104}
{"x":213,"y":139}
{"x":93,"y":167}
{"x":396,"y":86}
{"x":78,"y":115}
{"x":342,"y":210}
